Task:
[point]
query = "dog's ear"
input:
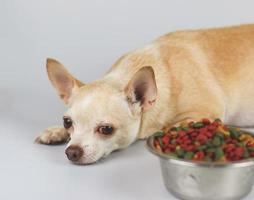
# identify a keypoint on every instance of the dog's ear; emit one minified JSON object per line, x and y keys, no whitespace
{"x":62,"y":80}
{"x":142,"y":89}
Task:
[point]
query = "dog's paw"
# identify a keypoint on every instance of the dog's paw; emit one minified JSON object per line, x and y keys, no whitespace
{"x":53,"y":135}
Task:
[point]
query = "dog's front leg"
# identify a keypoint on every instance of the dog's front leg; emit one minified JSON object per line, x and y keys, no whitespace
{"x":53,"y":135}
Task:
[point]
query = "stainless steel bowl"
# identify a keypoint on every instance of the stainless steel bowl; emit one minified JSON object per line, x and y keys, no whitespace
{"x":192,"y":180}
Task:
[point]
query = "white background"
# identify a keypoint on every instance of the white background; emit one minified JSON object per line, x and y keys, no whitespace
{"x":87,"y":36}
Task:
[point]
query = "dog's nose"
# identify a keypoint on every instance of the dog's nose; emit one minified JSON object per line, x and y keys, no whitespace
{"x":74,"y":153}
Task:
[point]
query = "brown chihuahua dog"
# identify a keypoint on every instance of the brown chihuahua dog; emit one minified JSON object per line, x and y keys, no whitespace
{"x":181,"y":76}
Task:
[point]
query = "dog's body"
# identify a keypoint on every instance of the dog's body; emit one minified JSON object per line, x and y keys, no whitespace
{"x":204,"y":73}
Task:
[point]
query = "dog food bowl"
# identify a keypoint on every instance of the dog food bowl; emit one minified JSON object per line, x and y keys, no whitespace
{"x":192,"y":180}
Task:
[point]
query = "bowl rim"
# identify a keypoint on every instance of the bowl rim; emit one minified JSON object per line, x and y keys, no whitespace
{"x":171,"y":159}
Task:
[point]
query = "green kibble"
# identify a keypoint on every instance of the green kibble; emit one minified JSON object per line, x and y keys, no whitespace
{"x":220,"y":135}
{"x":218,"y":153}
{"x":246,"y":153}
{"x":240,"y":144}
{"x":234,"y":133}
{"x":251,"y":149}
{"x":172,"y":154}
{"x":217,"y":120}
{"x":173,"y":129}
{"x":198,"y":125}
{"x":185,"y":128}
{"x":179,"y":128}
{"x":210,"y":150}
{"x":160,"y":142}
{"x":202,"y":147}
{"x":180,"y":153}
{"x":207,"y":159}
{"x":158,"y":134}
{"x":209,"y":144}
{"x":188,"y":155}
{"x":216,"y":141}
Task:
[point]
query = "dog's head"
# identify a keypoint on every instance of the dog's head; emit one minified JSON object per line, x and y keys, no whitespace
{"x":101,"y":116}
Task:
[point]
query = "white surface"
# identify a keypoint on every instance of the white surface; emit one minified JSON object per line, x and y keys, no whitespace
{"x":87,"y":36}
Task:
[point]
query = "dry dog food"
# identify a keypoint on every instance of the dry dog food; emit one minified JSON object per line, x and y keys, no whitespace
{"x":205,"y":141}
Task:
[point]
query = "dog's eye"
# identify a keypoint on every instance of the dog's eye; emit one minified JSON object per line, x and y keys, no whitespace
{"x":106,"y":130}
{"x":67,"y":122}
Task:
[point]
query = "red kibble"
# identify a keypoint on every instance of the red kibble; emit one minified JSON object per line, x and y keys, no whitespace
{"x":190,"y":148}
{"x":202,"y":138}
{"x":181,"y":133}
{"x":166,"y":139}
{"x":194,"y":134}
{"x":184,"y":147}
{"x":187,"y":142}
{"x":228,"y":140}
{"x":167,"y":150}
{"x":200,"y":155}
{"x":229,"y":148}
{"x":191,"y":130}
{"x":211,"y":127}
{"x":231,"y":154}
{"x":178,"y":140}
{"x":210,"y":154}
{"x":249,"y":144}
{"x":206,"y":121}
{"x":233,"y":141}
{"x":239,"y":152}
{"x":216,"y":124}
{"x":209,"y":134}
{"x":225,"y":128}
{"x":171,"y":146}
{"x":186,"y":137}
{"x":203,"y":130}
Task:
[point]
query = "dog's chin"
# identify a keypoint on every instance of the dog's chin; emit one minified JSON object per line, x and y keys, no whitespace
{"x":87,"y":161}
{"x":84,"y":163}
{"x":91,"y":159}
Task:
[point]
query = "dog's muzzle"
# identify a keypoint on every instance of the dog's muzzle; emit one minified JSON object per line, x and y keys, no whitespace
{"x":74,"y":153}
